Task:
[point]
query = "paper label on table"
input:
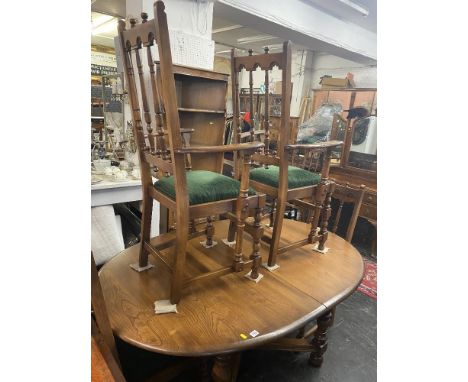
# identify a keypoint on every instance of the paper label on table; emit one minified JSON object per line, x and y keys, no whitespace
{"x":254,"y":333}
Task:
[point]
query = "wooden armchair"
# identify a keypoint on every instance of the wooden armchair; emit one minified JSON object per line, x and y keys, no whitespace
{"x":275,"y":177}
{"x":191,"y":194}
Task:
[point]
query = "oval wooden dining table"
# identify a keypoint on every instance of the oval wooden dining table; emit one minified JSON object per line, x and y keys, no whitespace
{"x":225,"y":315}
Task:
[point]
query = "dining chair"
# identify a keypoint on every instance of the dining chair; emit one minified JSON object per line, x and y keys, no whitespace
{"x":274,"y":176}
{"x":343,"y":194}
{"x":189,"y":193}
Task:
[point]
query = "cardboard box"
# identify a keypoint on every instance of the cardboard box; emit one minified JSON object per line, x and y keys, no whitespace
{"x":337,"y":83}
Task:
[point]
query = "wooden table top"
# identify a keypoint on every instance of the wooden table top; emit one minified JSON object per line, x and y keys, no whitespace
{"x":213,"y":314}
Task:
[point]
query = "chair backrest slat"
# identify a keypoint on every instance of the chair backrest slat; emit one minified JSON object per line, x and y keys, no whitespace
{"x":348,"y":194}
{"x":266,"y":62}
{"x":153,"y":96}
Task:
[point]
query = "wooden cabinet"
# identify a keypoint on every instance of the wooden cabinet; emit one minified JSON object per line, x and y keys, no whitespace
{"x":201,"y":99}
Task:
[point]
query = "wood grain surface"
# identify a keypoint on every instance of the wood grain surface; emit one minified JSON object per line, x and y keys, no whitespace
{"x":214,"y":314}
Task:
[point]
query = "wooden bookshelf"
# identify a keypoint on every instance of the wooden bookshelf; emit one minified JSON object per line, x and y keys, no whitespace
{"x":201,"y":100}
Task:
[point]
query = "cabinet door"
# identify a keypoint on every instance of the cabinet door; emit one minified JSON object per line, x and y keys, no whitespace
{"x":365,"y":99}
{"x":343,"y":97}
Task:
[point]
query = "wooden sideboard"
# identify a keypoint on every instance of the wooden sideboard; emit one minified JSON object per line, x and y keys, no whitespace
{"x":356,"y":177}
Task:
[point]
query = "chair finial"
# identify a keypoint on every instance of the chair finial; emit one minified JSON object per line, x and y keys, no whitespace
{"x":144,"y":17}
{"x":132,"y":22}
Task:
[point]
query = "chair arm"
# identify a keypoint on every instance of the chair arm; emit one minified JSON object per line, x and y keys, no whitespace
{"x":312,"y":146}
{"x":250,"y":146}
{"x":248,"y":133}
{"x":182,"y":131}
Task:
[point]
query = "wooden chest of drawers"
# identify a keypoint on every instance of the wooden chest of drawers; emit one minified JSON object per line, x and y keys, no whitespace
{"x":369,"y":203}
{"x":369,"y":206}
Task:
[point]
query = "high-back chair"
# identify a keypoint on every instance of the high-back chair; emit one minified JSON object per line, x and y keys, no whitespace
{"x":349,"y":194}
{"x":190,"y":194}
{"x":275,"y":177}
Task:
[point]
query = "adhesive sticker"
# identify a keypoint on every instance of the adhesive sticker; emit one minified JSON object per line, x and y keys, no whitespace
{"x":254,"y":333}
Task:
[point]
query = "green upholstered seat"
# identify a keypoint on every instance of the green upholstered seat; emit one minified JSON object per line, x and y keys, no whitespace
{"x":203,"y":187}
{"x":297,"y":177}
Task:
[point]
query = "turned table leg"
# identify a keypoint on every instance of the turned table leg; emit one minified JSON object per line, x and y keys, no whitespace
{"x":225,"y":367}
{"x":319,"y":342}
{"x":204,"y":371}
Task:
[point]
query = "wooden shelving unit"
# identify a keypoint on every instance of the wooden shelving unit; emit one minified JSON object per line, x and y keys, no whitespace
{"x":201,"y":100}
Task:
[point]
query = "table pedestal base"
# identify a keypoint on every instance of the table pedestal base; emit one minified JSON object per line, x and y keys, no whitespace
{"x":226,"y":367}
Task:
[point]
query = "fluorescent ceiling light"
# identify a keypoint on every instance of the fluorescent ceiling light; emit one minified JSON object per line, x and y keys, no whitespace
{"x":225,"y":29}
{"x":363,"y":11}
{"x":248,"y":40}
{"x":99,"y":20}
{"x":107,"y":27}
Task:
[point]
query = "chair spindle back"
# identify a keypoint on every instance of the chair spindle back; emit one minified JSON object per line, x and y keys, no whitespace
{"x":265,"y":62}
{"x":152,"y":93}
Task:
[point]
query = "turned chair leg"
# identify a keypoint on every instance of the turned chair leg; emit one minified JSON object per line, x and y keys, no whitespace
{"x":272,"y":212}
{"x":276,"y":235}
{"x":179,"y":263}
{"x":319,"y":198}
{"x":147,"y":212}
{"x":320,"y":340}
{"x":258,"y":233}
{"x":241,"y":213}
{"x":238,"y":263}
{"x":232,"y":231}
{"x":325,"y":216}
{"x":209,"y":231}
{"x":191,"y":225}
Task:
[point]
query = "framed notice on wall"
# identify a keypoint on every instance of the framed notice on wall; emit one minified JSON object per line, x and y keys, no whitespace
{"x":103,"y":61}
{"x":99,"y":70}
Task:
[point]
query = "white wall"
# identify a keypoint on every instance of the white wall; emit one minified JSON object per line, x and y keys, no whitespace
{"x":365,"y":76}
{"x":190,"y":25}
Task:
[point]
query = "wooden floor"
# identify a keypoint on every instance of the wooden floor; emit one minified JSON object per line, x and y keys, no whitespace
{"x":214,"y":314}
